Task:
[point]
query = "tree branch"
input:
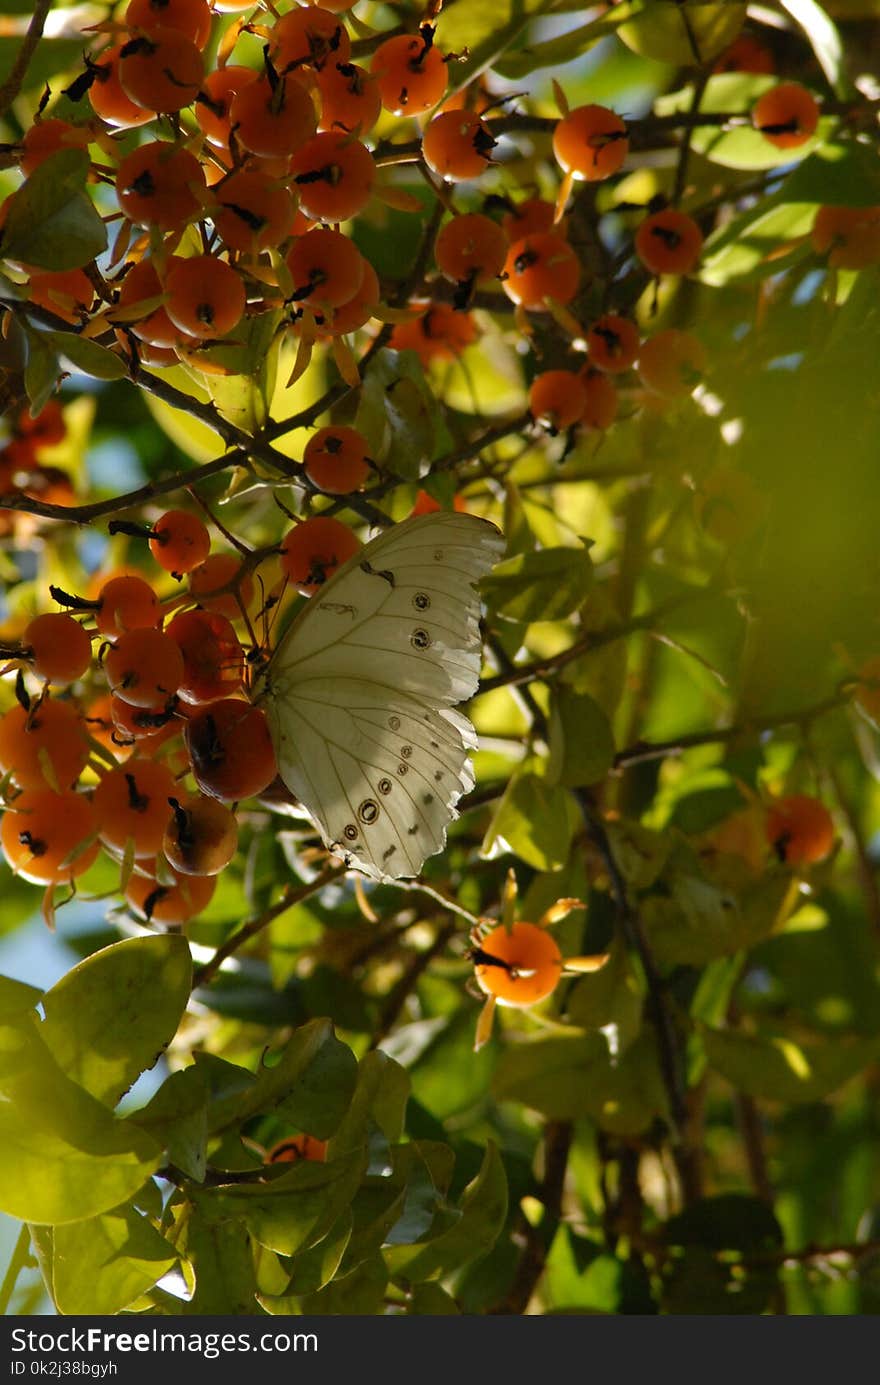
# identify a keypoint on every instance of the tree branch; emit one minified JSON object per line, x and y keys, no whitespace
{"x":13,"y":84}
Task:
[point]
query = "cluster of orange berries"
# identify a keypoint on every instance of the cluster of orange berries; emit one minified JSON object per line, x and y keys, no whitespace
{"x":148,"y":767}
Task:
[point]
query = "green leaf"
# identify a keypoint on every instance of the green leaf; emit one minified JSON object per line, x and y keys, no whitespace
{"x":103,"y":1264}
{"x":483,"y":1209}
{"x":749,"y":246}
{"x":297,"y":1209}
{"x":63,"y":1155}
{"x":548,"y":584}
{"x":177,"y":1117}
{"x":844,"y":175}
{"x":484,"y":32}
{"x":697,"y":920}
{"x":112,"y":1016}
{"x":16,"y":998}
{"x":431,"y":1300}
{"x":562,"y":49}
{"x":88,"y":356}
{"x":310,"y":1083}
{"x":535,"y":820}
{"x":581,"y":740}
{"x":776,"y":1068}
{"x":317,"y":1266}
{"x":683,"y":32}
{"x":362,"y":1292}
{"x":41,"y":372}
{"x":609,"y":999}
{"x":397,"y":413}
{"x":567,"y":1077}
{"x":51,"y":221}
{"x":53,"y":55}
{"x":219,"y":1250}
{"x":379,"y":1098}
{"x":242,"y":392}
{"x":824,"y":40}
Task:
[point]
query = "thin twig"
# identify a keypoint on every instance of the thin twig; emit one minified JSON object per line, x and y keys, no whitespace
{"x":13,"y":84}
{"x":205,"y":973}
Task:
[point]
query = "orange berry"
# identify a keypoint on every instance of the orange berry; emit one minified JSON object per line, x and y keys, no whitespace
{"x":169,"y":904}
{"x":272,"y":120}
{"x":411,"y":73}
{"x":800,"y":829}
{"x":590,"y":143}
{"x":149,"y":726}
{"x":212,"y":107}
{"x":213,"y":659}
{"x":601,"y":401}
{"x":45,"y":836}
{"x":131,"y":805}
{"x":350,"y":98}
{"x":160,"y":185}
{"x":669,"y":242}
{"x":309,"y":36}
{"x":527,"y":217}
{"x":46,"y":137}
{"x":142,"y":285}
{"x":849,"y":236}
{"x":539,"y":267}
{"x":326,"y":267}
{"x":786,"y":115}
{"x":180,"y":540}
{"x":60,"y":649}
{"x":868,"y":689}
{"x":520,"y":966}
{"x":438,"y":334}
{"x":161,"y":70}
{"x":144,"y":667}
{"x":471,"y":248}
{"x":189,"y":17}
{"x":295,"y":1147}
{"x":108,"y":98}
{"x":613,"y":343}
{"x":126,"y":603}
{"x":334,"y":175}
{"x":206,"y":298}
{"x":314,"y":549}
{"x":746,"y":54}
{"x":425,"y":504}
{"x":557,"y":398}
{"x":43,"y":747}
{"x":217,"y":571}
{"x":458,"y":145}
{"x":253,"y":212}
{"x":231,"y":749}
{"x":68,"y":293}
{"x":335,"y":460}
{"x":201,"y":836}
{"x":672,"y":363}
{"x":358,"y":310}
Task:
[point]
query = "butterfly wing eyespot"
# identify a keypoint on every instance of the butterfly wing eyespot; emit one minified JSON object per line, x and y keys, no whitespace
{"x":355,"y":711}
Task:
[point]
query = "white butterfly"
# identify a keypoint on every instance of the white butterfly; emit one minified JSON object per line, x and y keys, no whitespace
{"x":359,"y":694}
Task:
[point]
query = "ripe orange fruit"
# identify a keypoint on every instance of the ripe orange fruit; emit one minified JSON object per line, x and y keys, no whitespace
{"x":519,"y":966}
{"x":786,"y":115}
{"x":669,"y":242}
{"x":590,"y":143}
{"x":800,"y":829}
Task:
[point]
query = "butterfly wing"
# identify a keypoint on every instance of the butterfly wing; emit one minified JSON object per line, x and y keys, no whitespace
{"x":361,"y":691}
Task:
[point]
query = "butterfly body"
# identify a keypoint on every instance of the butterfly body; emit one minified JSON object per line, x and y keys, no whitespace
{"x":361,"y":691}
